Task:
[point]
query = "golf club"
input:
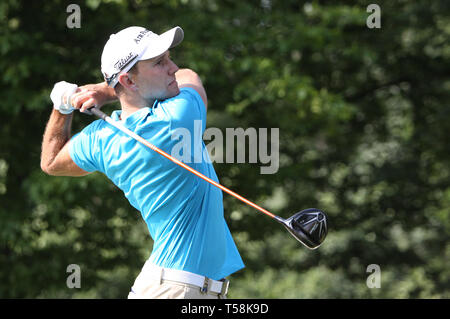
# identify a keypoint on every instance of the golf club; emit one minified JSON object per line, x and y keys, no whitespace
{"x":308,"y":226}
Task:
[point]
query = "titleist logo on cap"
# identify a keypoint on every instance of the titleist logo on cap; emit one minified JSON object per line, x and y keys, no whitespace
{"x":141,"y":35}
{"x":119,"y":65}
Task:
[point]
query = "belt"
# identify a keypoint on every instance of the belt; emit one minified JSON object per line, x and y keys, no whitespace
{"x":204,"y":283}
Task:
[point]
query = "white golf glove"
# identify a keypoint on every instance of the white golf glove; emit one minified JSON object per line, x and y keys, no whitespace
{"x":60,"y":90}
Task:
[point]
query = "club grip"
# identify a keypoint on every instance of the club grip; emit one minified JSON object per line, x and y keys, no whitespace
{"x":97,"y":112}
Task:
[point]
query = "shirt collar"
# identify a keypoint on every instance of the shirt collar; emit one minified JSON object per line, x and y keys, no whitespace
{"x":135,"y":117}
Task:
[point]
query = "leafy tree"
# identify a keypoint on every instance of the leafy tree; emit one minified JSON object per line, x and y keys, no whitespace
{"x":363,"y":118}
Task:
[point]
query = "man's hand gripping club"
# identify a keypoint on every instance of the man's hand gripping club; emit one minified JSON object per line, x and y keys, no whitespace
{"x":67,"y":97}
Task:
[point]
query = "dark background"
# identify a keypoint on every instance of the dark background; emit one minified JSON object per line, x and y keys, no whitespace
{"x":363,"y":116}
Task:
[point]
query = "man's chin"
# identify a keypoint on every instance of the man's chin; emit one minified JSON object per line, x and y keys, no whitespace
{"x":173,"y":92}
{"x":167,"y":97}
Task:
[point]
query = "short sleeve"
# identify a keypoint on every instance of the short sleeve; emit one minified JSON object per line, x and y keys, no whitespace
{"x":198,"y":102}
{"x":83,"y":147}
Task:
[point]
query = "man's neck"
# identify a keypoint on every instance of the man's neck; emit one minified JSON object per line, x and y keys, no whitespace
{"x":129,"y":107}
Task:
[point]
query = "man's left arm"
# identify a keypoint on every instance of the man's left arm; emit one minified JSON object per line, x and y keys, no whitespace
{"x":188,"y":78}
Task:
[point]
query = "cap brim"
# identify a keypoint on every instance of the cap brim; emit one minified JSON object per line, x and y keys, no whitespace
{"x":176,"y":34}
{"x":167,"y":40}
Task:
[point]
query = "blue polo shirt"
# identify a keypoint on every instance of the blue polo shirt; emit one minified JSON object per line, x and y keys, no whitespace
{"x":184,"y":214}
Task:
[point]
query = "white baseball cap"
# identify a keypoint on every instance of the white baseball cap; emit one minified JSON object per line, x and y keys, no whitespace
{"x":128,"y":46}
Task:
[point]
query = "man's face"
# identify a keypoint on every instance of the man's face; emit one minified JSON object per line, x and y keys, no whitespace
{"x":155,"y":78}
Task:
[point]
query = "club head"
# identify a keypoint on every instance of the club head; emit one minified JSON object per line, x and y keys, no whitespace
{"x":309,"y":226}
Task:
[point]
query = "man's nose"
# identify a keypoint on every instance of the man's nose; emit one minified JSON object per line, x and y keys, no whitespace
{"x":173,"y":68}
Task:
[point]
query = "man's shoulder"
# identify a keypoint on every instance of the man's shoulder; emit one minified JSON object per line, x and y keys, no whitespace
{"x":94,"y":128}
{"x":96,"y":125}
{"x":187,"y":94}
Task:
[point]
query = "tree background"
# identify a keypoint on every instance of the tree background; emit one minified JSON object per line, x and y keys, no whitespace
{"x":364,"y":122}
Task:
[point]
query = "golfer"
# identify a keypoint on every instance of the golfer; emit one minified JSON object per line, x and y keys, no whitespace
{"x":193,"y":250}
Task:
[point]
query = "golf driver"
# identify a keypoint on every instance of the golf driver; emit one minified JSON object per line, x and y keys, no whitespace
{"x":308,"y":226}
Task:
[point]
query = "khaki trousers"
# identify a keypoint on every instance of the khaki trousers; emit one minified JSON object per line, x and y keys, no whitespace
{"x":150,"y":285}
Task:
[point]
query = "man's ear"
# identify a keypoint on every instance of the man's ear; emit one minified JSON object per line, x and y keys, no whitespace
{"x":126,"y":80}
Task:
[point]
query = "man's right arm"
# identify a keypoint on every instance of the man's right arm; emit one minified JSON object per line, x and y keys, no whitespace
{"x":55,"y":156}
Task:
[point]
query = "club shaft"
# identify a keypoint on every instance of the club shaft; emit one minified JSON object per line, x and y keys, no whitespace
{"x":122,"y":128}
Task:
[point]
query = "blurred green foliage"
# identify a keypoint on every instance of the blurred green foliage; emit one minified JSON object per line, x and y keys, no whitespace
{"x":364,"y":121}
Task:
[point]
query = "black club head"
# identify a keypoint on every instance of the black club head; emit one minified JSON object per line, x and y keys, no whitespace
{"x":309,"y":226}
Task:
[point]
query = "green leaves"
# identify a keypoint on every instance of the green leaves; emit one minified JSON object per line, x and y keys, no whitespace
{"x":363,"y":122}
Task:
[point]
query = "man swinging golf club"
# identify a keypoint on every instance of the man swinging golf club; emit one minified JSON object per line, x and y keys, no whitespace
{"x":193,"y":250}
